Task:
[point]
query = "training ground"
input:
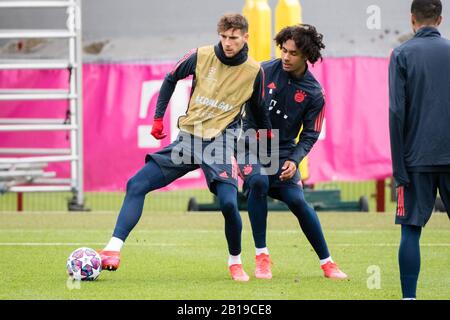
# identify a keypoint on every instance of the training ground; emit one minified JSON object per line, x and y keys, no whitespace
{"x":183,"y":256}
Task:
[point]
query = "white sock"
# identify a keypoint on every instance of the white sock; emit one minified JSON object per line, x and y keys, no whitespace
{"x":115,"y":244}
{"x":234,"y":260}
{"x":262,"y":250}
{"x":409,"y":299}
{"x":323,"y":261}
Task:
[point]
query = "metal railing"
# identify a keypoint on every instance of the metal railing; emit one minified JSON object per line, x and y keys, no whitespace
{"x":20,"y":180}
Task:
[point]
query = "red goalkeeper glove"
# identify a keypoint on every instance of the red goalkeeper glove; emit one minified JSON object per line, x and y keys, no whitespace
{"x":157,"y":129}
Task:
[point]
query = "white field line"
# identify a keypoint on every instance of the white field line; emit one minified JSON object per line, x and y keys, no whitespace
{"x":189,"y":231}
{"x":87,"y":244}
{"x":81,"y":244}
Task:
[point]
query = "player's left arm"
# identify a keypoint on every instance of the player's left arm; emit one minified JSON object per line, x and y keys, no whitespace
{"x":397,"y":115}
{"x":312,"y":125}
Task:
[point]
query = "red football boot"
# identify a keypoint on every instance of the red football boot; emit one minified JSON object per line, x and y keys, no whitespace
{"x":110,"y":260}
{"x":332,"y":271}
{"x":238,"y":273}
{"x":262,"y":270}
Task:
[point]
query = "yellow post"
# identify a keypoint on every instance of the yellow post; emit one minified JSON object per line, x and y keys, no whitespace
{"x":247,"y":12}
{"x":262,"y":26}
{"x":287,"y":13}
{"x":303,"y":167}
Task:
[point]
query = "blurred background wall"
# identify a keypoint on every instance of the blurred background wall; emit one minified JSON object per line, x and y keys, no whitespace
{"x":128,"y":46}
{"x":165,"y":30}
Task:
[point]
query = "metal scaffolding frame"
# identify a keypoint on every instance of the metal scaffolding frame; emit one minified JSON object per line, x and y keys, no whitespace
{"x":24,"y":168}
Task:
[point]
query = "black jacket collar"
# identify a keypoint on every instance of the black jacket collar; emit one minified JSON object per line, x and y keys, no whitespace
{"x":238,"y":59}
{"x":427,"y":32}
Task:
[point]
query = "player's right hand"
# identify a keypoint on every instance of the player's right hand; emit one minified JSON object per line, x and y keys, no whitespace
{"x":288,"y":170}
{"x":157,"y":129}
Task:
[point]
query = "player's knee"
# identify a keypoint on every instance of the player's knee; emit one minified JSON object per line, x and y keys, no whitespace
{"x":136,"y":187}
{"x":231,"y":214}
{"x":299,"y":203}
{"x":229,"y":206}
{"x":410,"y":233}
{"x":259,"y":184}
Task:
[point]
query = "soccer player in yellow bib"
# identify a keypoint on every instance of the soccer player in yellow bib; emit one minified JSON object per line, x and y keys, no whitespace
{"x":225,"y":79}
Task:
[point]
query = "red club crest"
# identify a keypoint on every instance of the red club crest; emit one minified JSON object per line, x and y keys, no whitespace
{"x":272,"y":85}
{"x":299,"y":96}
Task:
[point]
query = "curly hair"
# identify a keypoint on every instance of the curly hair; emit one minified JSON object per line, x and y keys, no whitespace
{"x":306,"y":39}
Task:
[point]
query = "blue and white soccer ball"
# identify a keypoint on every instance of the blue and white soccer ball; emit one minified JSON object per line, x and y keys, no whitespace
{"x":84,"y":264}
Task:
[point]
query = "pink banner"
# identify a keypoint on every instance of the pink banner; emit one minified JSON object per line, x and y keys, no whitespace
{"x":355,"y":139}
{"x":119,"y":102}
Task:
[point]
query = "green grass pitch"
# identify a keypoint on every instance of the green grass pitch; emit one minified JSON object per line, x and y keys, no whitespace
{"x":183,"y":256}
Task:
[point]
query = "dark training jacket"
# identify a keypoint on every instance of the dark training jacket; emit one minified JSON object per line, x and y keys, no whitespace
{"x":293,"y":103}
{"x":419,"y":105}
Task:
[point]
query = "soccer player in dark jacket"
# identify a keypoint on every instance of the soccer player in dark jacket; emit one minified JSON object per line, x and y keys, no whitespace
{"x":419,"y":122}
{"x":295,"y":100}
{"x":225,"y":79}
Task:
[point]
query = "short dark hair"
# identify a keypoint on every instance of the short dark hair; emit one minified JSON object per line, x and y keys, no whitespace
{"x":426,"y":10}
{"x":306,"y":39}
{"x":232,"y":21}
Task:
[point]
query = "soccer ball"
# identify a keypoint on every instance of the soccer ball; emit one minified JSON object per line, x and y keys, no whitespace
{"x":84,"y":264}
